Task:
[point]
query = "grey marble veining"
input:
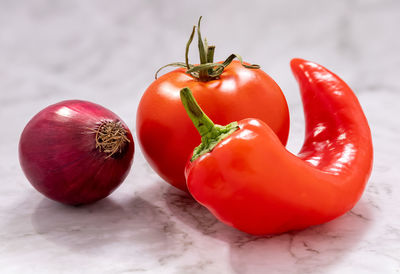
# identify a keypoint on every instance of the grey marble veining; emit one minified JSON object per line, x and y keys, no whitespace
{"x":107,"y":52}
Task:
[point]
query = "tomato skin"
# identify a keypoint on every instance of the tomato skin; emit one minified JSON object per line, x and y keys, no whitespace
{"x":167,"y":136}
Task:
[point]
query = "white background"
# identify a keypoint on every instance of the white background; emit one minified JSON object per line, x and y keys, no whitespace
{"x":107,"y":52}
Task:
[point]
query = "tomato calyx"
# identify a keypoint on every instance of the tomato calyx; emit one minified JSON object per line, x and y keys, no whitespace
{"x":211,"y":134}
{"x":207,"y":70}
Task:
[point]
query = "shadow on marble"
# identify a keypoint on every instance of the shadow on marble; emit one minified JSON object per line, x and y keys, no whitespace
{"x":319,"y":246}
{"x":104,"y":223}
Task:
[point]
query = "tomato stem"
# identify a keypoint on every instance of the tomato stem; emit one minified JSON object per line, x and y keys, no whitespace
{"x":207,"y":70}
{"x":211,"y":134}
{"x":188,"y":46}
{"x":202,"y":48}
{"x":210,"y":57}
{"x":210,"y":54}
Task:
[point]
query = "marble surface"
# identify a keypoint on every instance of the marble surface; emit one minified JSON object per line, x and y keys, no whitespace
{"x":107,"y":52}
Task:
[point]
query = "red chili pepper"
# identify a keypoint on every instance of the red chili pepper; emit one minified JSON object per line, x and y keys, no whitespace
{"x":247,"y":179}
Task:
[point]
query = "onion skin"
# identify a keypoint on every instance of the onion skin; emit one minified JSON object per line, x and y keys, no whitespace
{"x":58,"y":154}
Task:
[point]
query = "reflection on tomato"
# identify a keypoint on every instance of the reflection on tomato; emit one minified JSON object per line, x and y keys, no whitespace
{"x":167,"y":136}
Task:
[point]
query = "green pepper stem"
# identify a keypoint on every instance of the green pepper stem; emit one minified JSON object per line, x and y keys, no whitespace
{"x":211,"y":134}
{"x":200,"y":120}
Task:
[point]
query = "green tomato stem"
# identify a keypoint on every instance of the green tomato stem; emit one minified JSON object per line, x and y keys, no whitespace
{"x":207,"y":70}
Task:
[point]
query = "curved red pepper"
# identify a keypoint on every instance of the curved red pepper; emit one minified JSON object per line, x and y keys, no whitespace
{"x":251,"y":182}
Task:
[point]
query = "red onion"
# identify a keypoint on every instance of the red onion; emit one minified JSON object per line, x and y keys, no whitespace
{"x":76,"y":152}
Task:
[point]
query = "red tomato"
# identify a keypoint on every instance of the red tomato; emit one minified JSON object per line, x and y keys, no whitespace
{"x":166,"y":134}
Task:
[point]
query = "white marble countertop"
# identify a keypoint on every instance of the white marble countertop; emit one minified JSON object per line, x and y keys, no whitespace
{"x":107,"y":51}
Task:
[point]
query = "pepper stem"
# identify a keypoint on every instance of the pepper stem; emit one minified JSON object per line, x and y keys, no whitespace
{"x":211,"y":134}
{"x":200,"y":120}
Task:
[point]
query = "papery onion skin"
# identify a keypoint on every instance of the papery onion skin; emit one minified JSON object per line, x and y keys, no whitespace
{"x":58,"y":154}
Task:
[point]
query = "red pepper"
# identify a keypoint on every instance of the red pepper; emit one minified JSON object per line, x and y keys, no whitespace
{"x":247,"y":179}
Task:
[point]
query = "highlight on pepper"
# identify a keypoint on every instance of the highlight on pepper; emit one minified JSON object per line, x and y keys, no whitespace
{"x":245,"y":176}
